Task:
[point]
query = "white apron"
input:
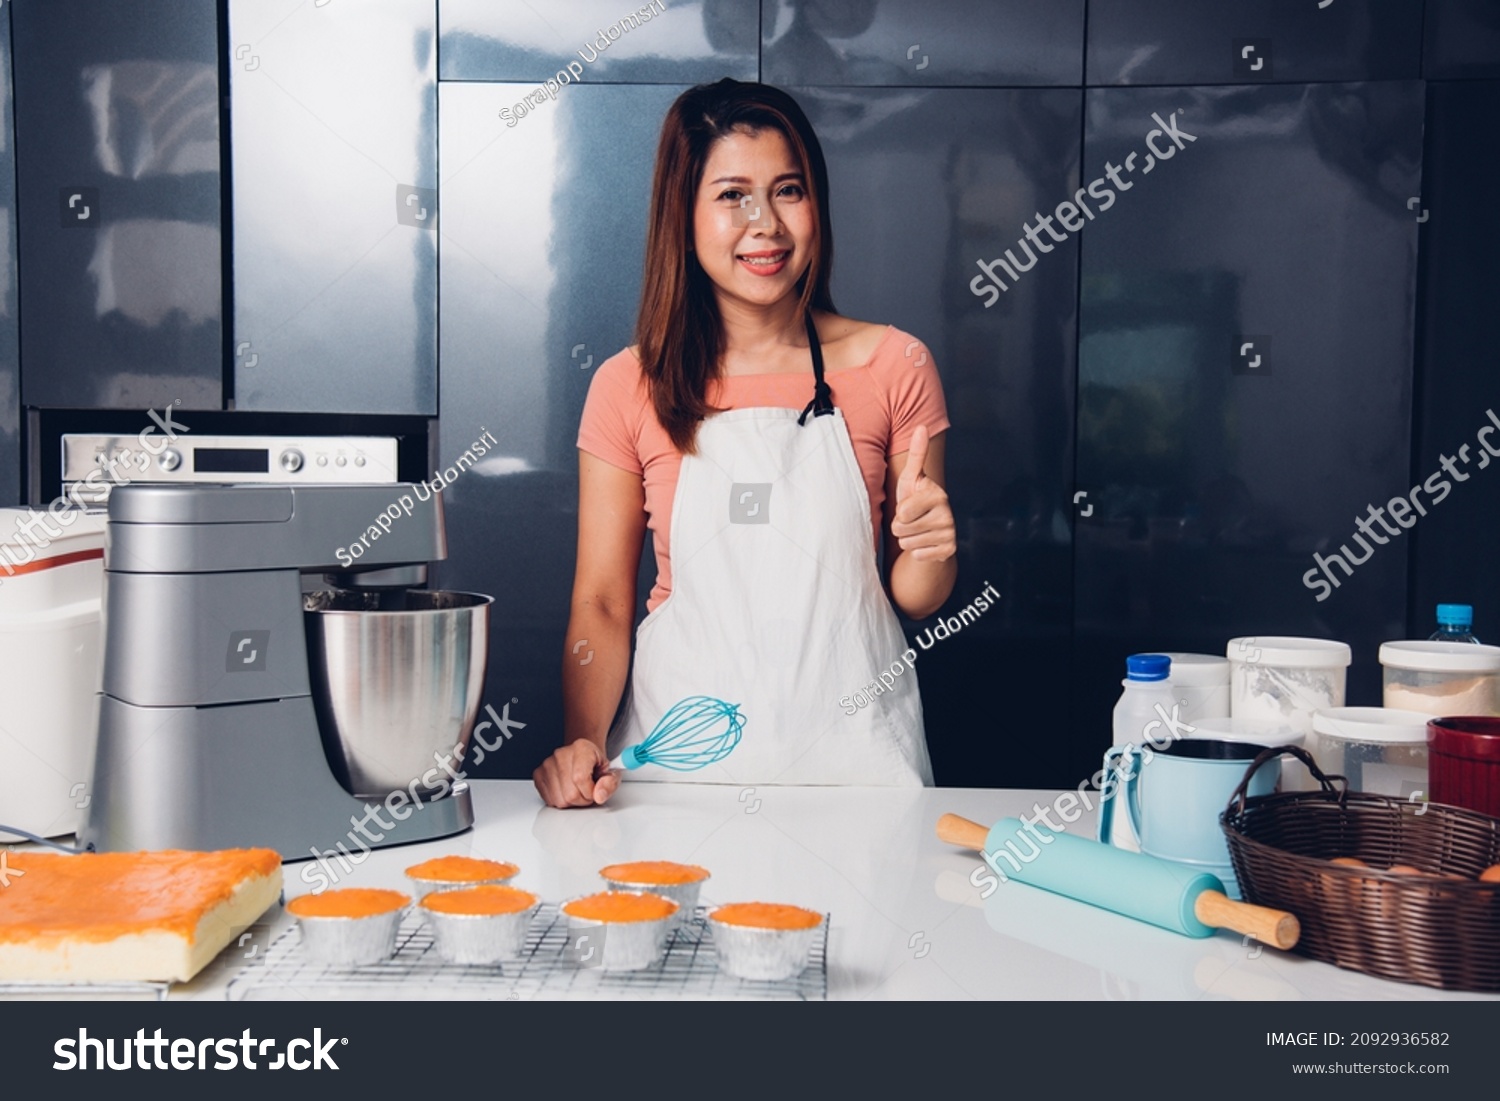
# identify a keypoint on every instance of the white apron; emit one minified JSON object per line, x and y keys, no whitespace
{"x":777,"y":606}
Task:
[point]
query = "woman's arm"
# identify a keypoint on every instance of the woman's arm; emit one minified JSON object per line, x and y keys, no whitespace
{"x":921,"y":539}
{"x":596,"y":652}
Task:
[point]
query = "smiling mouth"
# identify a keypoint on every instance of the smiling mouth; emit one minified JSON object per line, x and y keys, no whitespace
{"x":764,"y":259}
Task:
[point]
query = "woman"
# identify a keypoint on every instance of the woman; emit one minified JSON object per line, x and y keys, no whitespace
{"x":766,"y":442}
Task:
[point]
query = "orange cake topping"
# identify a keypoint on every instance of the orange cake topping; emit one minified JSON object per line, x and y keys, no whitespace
{"x":767,"y":915}
{"x":348,"y":902}
{"x":461,"y":869}
{"x":481,"y":901}
{"x":660,"y":873}
{"x":102,"y":896}
{"x":621,"y":906}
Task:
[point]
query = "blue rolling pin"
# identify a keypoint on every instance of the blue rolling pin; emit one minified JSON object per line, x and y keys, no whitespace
{"x":1133,"y":884}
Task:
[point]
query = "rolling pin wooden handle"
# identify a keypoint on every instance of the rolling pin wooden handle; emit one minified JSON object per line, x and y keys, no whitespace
{"x":960,"y":831}
{"x":1274,"y":927}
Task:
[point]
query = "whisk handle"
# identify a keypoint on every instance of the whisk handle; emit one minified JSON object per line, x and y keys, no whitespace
{"x":627,"y":759}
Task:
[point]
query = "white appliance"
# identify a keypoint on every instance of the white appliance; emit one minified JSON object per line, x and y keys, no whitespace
{"x":51,"y":591}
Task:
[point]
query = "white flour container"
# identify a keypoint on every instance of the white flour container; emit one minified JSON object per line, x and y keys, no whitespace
{"x":1281,"y":679}
{"x":51,"y":643}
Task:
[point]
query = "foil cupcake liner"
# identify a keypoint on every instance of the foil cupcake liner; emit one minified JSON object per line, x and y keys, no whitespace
{"x":761,"y":955}
{"x":617,"y":945}
{"x":350,"y":941}
{"x":480,"y":939}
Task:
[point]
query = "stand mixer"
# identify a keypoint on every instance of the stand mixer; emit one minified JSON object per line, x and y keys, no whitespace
{"x":246,"y":703}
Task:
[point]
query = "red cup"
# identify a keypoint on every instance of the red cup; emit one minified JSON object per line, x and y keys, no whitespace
{"x":1463,"y":762}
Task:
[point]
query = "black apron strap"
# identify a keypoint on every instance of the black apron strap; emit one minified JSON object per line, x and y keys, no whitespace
{"x":822,"y":402}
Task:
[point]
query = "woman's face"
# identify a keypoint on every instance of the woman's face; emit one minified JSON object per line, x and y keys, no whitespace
{"x":754,"y":224}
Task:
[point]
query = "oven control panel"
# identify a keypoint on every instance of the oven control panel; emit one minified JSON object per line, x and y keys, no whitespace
{"x":94,"y":464}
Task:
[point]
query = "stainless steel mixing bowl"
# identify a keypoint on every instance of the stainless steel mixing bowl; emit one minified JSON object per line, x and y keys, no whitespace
{"x":396,"y":678}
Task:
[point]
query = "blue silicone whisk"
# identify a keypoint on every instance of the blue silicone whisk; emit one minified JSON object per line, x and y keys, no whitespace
{"x":694,"y":732}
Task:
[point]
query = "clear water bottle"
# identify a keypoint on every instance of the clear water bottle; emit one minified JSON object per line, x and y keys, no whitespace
{"x":1454,"y":624}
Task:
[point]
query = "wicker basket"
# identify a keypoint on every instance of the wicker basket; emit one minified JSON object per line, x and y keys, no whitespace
{"x":1420,"y":929}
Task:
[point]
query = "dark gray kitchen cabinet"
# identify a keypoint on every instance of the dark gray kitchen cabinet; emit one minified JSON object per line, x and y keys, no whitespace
{"x":117,"y":150}
{"x":10,"y":345}
{"x":623,"y":42}
{"x":1458,"y":386}
{"x":985,"y":43}
{"x":1254,"y":41}
{"x":1245,"y":348}
{"x":333,"y":142}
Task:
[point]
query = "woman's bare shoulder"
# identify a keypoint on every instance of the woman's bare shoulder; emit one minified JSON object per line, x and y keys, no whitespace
{"x":847,"y":341}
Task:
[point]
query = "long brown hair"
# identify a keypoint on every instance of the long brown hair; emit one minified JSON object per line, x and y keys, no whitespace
{"x":678,"y":329}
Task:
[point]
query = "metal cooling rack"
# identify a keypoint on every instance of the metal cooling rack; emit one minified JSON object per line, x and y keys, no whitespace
{"x":688,"y":969}
{"x":16,"y":991}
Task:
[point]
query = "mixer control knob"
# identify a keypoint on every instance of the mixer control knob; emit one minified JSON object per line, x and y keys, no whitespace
{"x":170,"y":459}
{"x":291,"y":460}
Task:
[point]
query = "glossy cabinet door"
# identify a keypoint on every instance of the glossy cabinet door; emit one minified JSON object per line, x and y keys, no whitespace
{"x":544,"y":229}
{"x":597,"y":41}
{"x":334,"y":149}
{"x":10,"y":351}
{"x":984,"y":43}
{"x":1253,"y":41}
{"x":926,"y":184}
{"x":1458,"y":384}
{"x":1245,"y":348}
{"x":117,"y":156}
{"x":1462,"y":40}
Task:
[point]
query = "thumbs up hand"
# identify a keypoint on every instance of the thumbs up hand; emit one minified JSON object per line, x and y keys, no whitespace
{"x":923,"y":522}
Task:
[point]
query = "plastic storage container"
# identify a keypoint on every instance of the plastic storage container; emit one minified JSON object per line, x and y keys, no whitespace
{"x":1377,"y":749}
{"x":1283,"y":680}
{"x":1464,"y":761}
{"x":1442,"y":678}
{"x":51,"y":588}
{"x":1202,"y":680}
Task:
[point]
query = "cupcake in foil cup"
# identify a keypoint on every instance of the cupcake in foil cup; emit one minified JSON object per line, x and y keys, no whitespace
{"x":480,"y":925}
{"x":457,"y":873}
{"x":618,"y":930}
{"x":679,"y":882}
{"x":763,"y":941}
{"x":349,"y":927}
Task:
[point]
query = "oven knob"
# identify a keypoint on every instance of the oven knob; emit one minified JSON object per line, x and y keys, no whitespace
{"x":291,"y":461}
{"x":359,"y":460}
{"x":340,"y":461}
{"x":170,"y":459}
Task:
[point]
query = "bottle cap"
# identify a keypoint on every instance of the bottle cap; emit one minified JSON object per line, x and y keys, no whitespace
{"x":1147,"y":667}
{"x":1460,"y":615}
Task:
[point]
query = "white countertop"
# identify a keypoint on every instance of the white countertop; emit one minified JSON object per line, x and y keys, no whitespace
{"x":906,"y":921}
